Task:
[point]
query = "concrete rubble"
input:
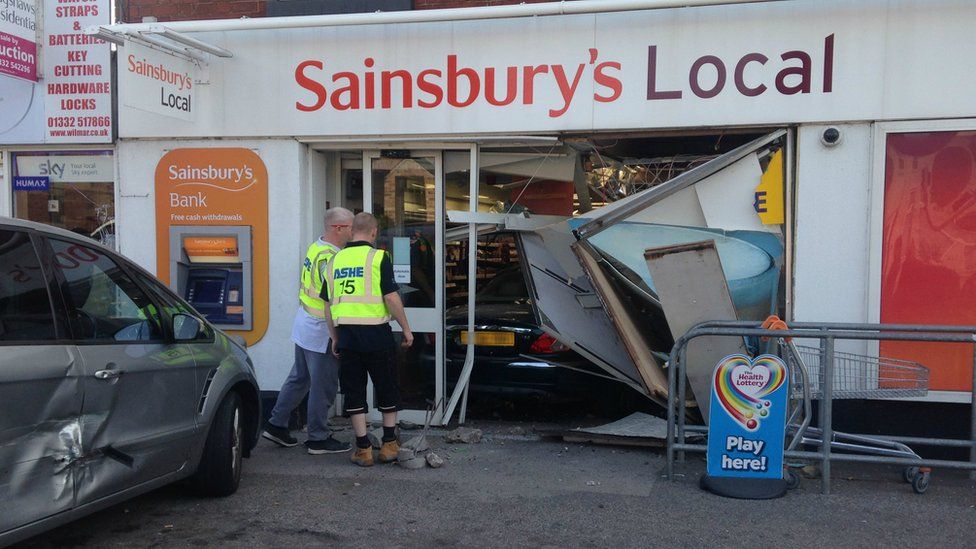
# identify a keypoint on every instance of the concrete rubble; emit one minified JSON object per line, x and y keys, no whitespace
{"x":464,"y":435}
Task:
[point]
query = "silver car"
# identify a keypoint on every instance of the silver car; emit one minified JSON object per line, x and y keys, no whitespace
{"x":110,"y":385}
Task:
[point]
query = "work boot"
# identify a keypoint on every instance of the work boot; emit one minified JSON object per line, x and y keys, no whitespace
{"x":363,"y":457}
{"x":389,"y":451}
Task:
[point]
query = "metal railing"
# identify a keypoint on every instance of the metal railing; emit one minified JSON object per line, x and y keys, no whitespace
{"x":828,"y":334}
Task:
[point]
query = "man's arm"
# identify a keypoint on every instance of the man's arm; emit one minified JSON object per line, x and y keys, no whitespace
{"x":391,"y":297}
{"x":333,"y":334}
{"x":395,"y":305}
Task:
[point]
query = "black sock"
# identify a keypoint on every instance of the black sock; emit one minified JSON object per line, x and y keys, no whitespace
{"x":389,"y":433}
{"x":362,"y":442}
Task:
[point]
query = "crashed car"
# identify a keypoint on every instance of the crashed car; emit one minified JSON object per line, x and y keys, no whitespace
{"x":110,"y":385}
{"x":513,"y":356}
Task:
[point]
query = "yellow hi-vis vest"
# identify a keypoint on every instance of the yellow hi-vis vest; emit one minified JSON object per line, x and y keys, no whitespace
{"x":353,"y":278}
{"x":310,"y":291}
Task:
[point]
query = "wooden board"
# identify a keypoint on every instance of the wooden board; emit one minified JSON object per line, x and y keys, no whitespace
{"x":692,"y":287}
{"x":650,"y":369}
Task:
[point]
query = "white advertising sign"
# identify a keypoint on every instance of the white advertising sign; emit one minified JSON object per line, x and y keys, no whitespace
{"x":401,"y":274}
{"x":18,"y":39}
{"x":68,"y":168}
{"x":77,"y":73}
{"x":748,"y":64}
{"x":21,"y":111}
{"x":157,"y":82}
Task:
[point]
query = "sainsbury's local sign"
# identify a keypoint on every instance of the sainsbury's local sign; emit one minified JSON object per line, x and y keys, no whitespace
{"x":157,"y":82}
{"x":749,"y":64}
{"x":455,"y":85}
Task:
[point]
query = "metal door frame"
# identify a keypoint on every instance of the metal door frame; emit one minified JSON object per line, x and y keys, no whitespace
{"x":421,"y":320}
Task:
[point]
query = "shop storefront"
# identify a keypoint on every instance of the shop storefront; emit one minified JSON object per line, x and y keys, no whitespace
{"x":57,"y":159}
{"x":71,"y":189}
{"x":815,"y":122}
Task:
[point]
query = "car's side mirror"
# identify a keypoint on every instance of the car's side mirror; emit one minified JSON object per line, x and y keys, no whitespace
{"x":186,"y":327}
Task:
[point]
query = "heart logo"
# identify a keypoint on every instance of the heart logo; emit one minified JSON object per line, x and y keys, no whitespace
{"x":742,"y":385}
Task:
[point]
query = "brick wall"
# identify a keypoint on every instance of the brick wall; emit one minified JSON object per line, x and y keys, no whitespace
{"x":439,"y":4}
{"x":132,"y":11}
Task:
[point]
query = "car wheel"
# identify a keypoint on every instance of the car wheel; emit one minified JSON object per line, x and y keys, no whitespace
{"x":219,"y":472}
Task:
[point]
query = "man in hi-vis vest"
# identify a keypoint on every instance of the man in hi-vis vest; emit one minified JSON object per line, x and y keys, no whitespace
{"x":362,"y":297}
{"x":316,"y":369}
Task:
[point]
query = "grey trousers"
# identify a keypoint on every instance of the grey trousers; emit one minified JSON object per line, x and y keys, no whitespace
{"x":318,"y":375}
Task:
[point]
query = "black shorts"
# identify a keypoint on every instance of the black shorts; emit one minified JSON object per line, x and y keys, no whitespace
{"x":381,"y":368}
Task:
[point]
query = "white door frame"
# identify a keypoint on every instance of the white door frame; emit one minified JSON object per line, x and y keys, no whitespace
{"x":422,"y":320}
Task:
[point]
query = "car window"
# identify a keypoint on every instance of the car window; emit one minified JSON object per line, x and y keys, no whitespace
{"x":508,"y":286}
{"x":172,"y":307}
{"x":25,"y":304}
{"x":104,"y":303}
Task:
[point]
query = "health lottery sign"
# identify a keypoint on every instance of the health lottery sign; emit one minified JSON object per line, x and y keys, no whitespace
{"x":747,"y":419}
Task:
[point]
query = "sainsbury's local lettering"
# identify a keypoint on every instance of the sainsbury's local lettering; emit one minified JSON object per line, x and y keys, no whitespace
{"x":708,"y":75}
{"x":453,"y":84}
{"x":143,"y":67}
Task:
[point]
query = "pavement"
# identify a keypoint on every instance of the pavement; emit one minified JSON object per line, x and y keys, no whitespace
{"x":516,"y":490}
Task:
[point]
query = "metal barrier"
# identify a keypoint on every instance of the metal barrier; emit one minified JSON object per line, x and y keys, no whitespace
{"x":827,"y":333}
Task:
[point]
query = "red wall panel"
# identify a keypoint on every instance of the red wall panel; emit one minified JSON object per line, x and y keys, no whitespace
{"x":929,"y":248}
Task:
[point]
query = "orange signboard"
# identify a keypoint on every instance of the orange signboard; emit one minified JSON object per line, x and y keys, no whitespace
{"x":223,"y":187}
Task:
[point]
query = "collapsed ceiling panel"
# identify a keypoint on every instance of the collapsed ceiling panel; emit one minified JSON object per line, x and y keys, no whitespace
{"x":735,"y":273}
{"x":571,"y":313}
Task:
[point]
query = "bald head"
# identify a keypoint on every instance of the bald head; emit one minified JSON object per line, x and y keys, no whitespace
{"x":338,"y":226}
{"x":364,"y":227}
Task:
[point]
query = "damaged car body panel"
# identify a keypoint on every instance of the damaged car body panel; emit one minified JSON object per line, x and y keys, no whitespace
{"x":704,"y":203}
{"x":110,"y":385}
{"x":40,"y":432}
{"x":140,"y":392}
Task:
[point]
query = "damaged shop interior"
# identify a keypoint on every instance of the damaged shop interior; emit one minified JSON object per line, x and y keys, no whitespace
{"x":568,"y":321}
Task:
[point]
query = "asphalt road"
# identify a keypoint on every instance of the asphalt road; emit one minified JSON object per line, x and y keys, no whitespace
{"x":507,"y":491}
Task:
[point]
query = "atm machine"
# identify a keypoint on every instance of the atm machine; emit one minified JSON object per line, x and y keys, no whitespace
{"x":211,"y":267}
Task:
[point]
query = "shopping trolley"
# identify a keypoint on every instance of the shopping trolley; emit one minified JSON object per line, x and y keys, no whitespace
{"x":854,"y":377}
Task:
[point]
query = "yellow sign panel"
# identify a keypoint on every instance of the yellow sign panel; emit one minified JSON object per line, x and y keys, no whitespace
{"x":769,"y":203}
{"x":490,"y":339}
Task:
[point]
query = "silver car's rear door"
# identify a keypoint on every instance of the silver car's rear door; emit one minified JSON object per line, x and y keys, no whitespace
{"x":40,"y":391}
{"x":140,"y":390}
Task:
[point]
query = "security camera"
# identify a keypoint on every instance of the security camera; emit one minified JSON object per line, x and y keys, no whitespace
{"x":830,"y":137}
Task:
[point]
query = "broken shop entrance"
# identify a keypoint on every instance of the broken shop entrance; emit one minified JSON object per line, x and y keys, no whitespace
{"x":547,"y":309}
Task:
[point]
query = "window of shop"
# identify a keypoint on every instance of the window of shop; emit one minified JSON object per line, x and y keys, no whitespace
{"x":74,"y":190}
{"x":929,"y":246}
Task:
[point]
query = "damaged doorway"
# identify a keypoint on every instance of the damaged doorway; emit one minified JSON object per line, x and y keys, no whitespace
{"x":640,"y":192}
